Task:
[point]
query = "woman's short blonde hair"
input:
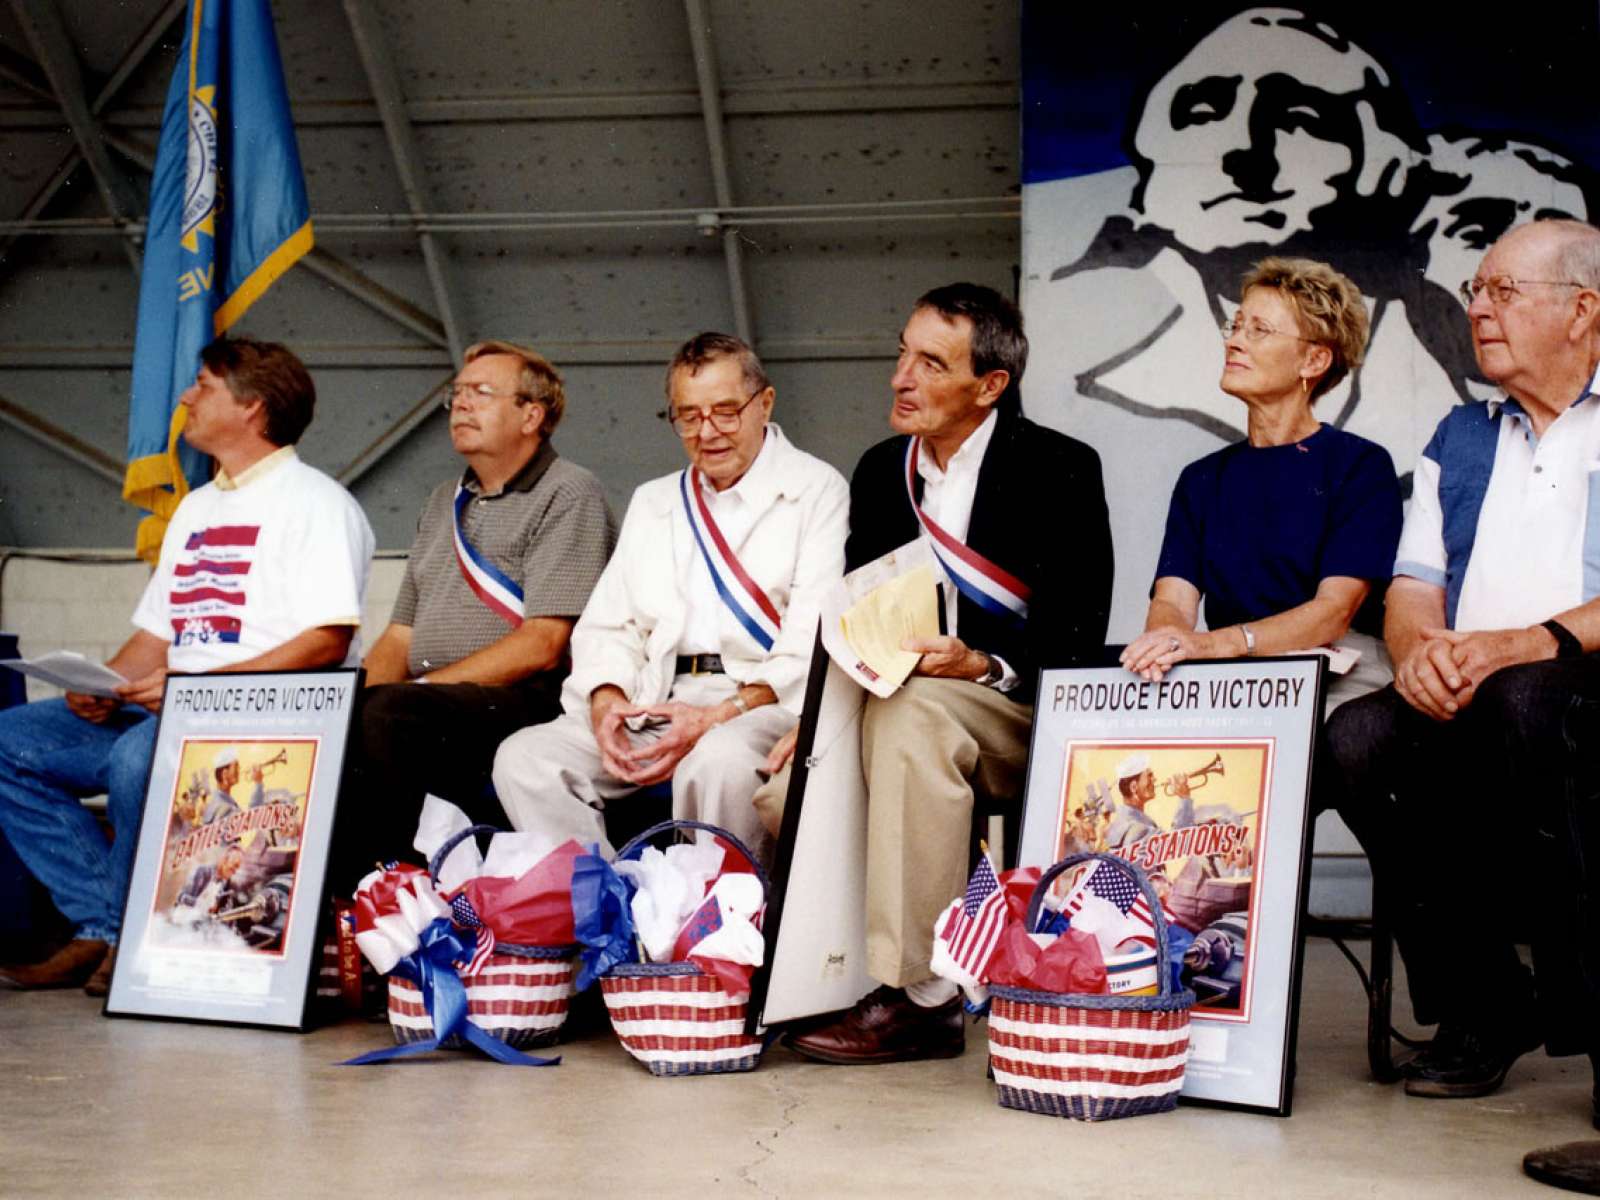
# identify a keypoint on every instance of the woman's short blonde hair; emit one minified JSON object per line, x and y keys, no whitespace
{"x":1327,"y":305}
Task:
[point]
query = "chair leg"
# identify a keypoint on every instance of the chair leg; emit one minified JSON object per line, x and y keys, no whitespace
{"x":1380,"y":994}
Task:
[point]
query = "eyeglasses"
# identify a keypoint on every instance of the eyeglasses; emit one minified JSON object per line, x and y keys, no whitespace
{"x":1503,"y":289}
{"x":477,"y":393}
{"x":1254,"y":329}
{"x":724,"y":417}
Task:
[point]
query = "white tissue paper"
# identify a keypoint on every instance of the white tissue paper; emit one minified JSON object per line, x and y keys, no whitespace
{"x":511,"y":854}
{"x":440,"y":821}
{"x":739,"y":897}
{"x":672,"y":884}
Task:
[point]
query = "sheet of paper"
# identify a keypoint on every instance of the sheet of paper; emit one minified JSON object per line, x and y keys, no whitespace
{"x":878,"y":624}
{"x":856,"y":586}
{"x":70,"y":670}
{"x":1342,"y":659}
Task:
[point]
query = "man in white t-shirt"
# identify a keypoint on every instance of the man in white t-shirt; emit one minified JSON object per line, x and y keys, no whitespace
{"x":1478,"y":765}
{"x":262,"y":569}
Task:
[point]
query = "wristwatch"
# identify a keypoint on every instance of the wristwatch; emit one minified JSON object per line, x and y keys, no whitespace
{"x":993,"y":673}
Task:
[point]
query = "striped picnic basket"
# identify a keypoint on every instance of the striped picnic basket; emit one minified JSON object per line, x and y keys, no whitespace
{"x":673,"y":1017}
{"x":520,"y":996}
{"x":1091,"y":1057}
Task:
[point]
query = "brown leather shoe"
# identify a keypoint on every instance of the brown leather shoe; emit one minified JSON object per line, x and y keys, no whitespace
{"x":69,"y":966}
{"x":100,"y":982}
{"x":885,"y":1026}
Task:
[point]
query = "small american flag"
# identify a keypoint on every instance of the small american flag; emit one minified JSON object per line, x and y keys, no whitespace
{"x":973,"y":930}
{"x":1117,"y":887}
{"x":464,"y":915}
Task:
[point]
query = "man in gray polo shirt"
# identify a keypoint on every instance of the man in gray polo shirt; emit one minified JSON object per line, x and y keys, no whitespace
{"x":503,"y":563}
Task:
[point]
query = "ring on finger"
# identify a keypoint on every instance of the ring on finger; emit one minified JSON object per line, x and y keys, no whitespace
{"x":1173,"y":645}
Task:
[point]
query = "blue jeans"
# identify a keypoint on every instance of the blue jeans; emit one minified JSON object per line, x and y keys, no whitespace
{"x":51,"y":759}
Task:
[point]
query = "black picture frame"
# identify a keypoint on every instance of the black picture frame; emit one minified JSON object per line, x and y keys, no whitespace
{"x":224,"y":914}
{"x":1249,"y":729}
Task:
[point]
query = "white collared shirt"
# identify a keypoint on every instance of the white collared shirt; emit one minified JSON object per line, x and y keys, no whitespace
{"x":708,"y":620}
{"x":948,"y":494}
{"x":1535,"y":550}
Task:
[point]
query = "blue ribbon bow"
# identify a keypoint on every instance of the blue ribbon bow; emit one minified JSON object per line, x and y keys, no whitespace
{"x":432,"y":968}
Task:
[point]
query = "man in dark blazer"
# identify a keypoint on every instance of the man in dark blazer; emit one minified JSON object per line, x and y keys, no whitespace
{"x":1016,"y":514}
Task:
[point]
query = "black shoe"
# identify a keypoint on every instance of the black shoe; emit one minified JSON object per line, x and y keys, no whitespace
{"x":1461,"y":1063}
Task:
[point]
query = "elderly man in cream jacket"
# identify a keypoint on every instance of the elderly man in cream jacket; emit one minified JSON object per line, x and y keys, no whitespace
{"x":690,"y":660}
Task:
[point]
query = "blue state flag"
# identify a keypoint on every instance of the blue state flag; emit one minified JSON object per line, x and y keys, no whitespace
{"x":228,"y":215}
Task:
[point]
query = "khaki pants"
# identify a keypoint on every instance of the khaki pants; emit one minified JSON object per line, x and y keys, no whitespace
{"x":925,"y":751}
{"x":549,"y":777}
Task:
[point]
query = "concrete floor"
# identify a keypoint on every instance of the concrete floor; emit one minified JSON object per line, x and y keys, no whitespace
{"x":116,"y":1108}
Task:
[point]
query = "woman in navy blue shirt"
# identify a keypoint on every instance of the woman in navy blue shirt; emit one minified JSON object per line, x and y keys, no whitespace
{"x":1286,"y":534}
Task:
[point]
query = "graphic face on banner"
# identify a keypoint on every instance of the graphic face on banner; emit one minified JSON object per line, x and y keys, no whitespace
{"x":1192,"y":815}
{"x":1502,"y":183}
{"x":231,"y":857}
{"x":1313,"y":131}
{"x":1262,"y":125}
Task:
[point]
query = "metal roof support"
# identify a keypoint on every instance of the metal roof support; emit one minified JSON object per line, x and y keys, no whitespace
{"x":325,"y":265}
{"x":20,"y":71}
{"x":377,"y":63}
{"x":47,"y":34}
{"x":131,"y":61}
{"x":49,"y":434}
{"x":705,"y":69}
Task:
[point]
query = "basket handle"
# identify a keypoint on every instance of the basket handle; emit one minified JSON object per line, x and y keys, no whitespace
{"x":450,"y":843}
{"x":636,"y":846}
{"x":1158,"y":919}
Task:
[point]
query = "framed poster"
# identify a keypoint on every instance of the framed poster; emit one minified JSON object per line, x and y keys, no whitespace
{"x":229,"y":873}
{"x":1203,"y":781}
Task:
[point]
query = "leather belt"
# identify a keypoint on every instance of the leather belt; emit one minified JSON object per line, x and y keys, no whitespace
{"x":699,"y":664}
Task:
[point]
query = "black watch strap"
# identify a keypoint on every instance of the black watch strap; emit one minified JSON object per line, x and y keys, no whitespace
{"x":1567,"y":646}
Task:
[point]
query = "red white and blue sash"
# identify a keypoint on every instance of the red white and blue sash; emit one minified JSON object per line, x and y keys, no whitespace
{"x":490,"y":584}
{"x":743,"y":595}
{"x":986,"y":584}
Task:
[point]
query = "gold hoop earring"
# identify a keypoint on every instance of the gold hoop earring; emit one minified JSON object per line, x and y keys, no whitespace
{"x":1305,"y":387}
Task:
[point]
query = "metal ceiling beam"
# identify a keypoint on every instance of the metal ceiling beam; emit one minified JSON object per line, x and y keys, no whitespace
{"x":332,"y":269}
{"x":756,"y":99}
{"x":379,"y":67}
{"x":380,"y":448}
{"x":133,"y":58}
{"x":47,"y":433}
{"x":53,"y":183}
{"x":320,"y":262}
{"x":131,"y":61}
{"x":22,"y":72}
{"x":938,"y":209}
{"x":705,"y":69}
{"x":46,"y":32}
{"x":591,"y":352}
